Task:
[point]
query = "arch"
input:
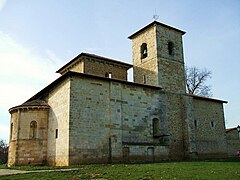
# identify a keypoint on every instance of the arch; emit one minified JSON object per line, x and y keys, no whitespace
{"x":170,"y":48}
{"x":33,"y":130}
{"x":143,"y":50}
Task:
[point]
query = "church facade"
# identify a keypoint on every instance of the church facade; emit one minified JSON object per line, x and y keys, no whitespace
{"x":92,"y":114}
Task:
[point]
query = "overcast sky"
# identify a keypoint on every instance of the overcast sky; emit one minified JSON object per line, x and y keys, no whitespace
{"x":38,"y":37}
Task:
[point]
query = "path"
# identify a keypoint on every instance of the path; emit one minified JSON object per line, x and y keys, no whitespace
{"x":4,"y":172}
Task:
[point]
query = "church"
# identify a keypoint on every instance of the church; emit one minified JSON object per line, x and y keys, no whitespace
{"x":92,"y":114}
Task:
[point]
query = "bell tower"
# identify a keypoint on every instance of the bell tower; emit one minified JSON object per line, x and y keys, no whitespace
{"x":157,"y":54}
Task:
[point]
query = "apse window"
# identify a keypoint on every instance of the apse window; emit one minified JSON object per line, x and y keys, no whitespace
{"x":170,"y":48}
{"x":144,"y":51}
{"x":33,"y":129}
{"x":56,"y":134}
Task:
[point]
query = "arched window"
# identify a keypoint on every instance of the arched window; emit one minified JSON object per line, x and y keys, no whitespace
{"x":156,"y":127}
{"x":33,"y":129}
{"x":170,"y":48}
{"x":143,"y":50}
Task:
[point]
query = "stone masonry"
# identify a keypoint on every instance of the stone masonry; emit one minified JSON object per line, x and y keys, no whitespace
{"x":92,"y":114}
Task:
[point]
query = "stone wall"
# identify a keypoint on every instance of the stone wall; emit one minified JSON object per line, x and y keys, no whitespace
{"x":108,"y":116}
{"x":13,"y":138}
{"x":148,"y":66}
{"x":89,"y":121}
{"x":112,"y":121}
{"x":78,"y":67}
{"x":233,"y":142}
{"x":174,"y":114}
{"x":171,"y":67}
{"x":58,"y":147}
{"x":209,"y":129}
{"x":100,"y":68}
{"x":159,"y":68}
{"x":26,"y":149}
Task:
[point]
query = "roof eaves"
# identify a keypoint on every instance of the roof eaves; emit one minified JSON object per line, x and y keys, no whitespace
{"x":46,"y":90}
{"x":206,"y":98}
{"x":94,"y":56}
{"x":153,"y":23}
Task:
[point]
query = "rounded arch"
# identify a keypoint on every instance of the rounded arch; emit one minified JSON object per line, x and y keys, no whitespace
{"x":144,"y":50}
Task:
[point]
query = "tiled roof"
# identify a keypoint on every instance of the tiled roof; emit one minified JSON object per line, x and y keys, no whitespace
{"x":230,"y":129}
{"x":36,"y":102}
{"x":155,"y":23}
{"x":33,"y":103}
{"x":97,"y":57}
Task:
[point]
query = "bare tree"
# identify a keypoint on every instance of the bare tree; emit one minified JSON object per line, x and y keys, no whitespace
{"x":196,"y":81}
{"x":3,"y":152}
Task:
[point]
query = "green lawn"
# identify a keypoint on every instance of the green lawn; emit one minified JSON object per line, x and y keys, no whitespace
{"x":169,"y":170}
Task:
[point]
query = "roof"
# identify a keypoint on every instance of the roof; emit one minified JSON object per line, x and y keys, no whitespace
{"x":51,"y":86}
{"x":152,"y":24}
{"x":97,"y":57}
{"x":206,"y":98}
{"x":33,"y":103}
{"x":230,"y":129}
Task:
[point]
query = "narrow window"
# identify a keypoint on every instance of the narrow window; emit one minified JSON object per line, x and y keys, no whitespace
{"x":56,"y":135}
{"x":33,"y":129}
{"x":212,"y":124}
{"x":156,"y":128}
{"x":11,"y":131}
{"x":108,"y":74}
{"x":144,"y":79}
{"x":170,"y":48}
{"x":195,"y":123}
{"x":144,"y":51}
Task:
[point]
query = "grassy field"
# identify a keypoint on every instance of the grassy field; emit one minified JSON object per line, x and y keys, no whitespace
{"x":168,"y":170}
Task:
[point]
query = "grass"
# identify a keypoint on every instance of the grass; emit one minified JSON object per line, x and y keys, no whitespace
{"x":168,"y":170}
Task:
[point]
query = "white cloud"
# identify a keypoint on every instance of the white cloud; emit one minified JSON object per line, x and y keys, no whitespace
{"x":2,"y":4}
{"x":22,"y":74}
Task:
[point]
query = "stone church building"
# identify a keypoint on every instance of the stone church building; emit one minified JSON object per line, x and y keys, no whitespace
{"x":92,"y":114}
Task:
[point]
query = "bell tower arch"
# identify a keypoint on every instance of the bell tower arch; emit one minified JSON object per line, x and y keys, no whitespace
{"x":157,"y":55}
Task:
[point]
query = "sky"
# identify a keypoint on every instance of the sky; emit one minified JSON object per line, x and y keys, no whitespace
{"x":39,"y":37}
